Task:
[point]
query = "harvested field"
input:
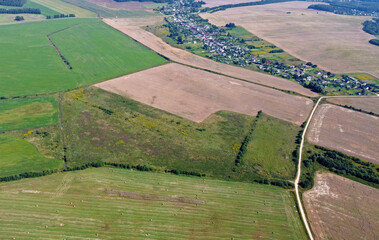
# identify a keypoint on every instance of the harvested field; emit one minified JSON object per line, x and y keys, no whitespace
{"x":110,"y":4}
{"x":134,"y":30}
{"x":366,"y":104}
{"x":76,"y":205}
{"x":214,"y":3}
{"x":339,"y":208}
{"x":335,"y":43}
{"x":195,"y":94}
{"x":345,"y":130}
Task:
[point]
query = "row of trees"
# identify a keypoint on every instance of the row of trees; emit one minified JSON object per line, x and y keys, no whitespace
{"x":61,"y":16}
{"x":349,"y":8}
{"x":243,"y":149}
{"x":19,"y":18}
{"x":226,"y":6}
{"x":21,"y":10}
{"x":13,"y":3}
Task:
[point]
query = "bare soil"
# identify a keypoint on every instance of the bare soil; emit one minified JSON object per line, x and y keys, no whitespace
{"x":134,"y":30}
{"x":339,"y":208}
{"x":368,"y":104}
{"x":345,"y":130}
{"x":150,"y":197}
{"x":334,"y":42}
{"x":195,"y":94}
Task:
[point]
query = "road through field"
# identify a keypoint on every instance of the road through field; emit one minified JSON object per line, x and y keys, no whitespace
{"x":302,"y":212}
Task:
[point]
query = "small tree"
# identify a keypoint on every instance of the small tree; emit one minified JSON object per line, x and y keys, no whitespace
{"x":19,"y":18}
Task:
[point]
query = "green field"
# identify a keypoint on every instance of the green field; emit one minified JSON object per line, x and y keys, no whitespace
{"x":79,"y":205}
{"x":101,"y":126}
{"x":96,"y":52}
{"x":270,"y":150}
{"x":19,"y":156}
{"x":109,"y":12}
{"x":28,"y":113}
{"x":45,"y":11}
{"x":65,"y":8}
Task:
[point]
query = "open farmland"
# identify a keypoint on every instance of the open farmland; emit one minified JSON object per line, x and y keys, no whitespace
{"x":366,"y":104}
{"x":335,"y":43}
{"x":348,"y":131}
{"x":102,"y":9}
{"x":214,"y":3}
{"x":9,"y":18}
{"x":339,"y":208}
{"x":109,"y":203}
{"x":133,"y":29}
{"x":270,"y":149}
{"x":95,"y":51}
{"x":28,"y":113}
{"x":18,"y":156}
{"x":65,"y":8}
{"x":195,"y":94}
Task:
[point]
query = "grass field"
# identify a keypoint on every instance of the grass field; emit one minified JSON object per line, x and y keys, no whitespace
{"x":65,"y":8}
{"x":102,"y":11}
{"x":96,"y":52}
{"x":45,"y":11}
{"x":271,"y":147}
{"x":9,"y":18}
{"x":28,"y":113}
{"x":18,"y":156}
{"x":89,"y":205}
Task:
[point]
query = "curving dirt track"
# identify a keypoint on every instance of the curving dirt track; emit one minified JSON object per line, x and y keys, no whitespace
{"x":195,"y":94}
{"x":132,"y":28}
{"x":339,"y":208}
{"x":345,"y":130}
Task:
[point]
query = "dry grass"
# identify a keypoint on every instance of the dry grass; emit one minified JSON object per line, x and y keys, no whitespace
{"x":368,"y":104}
{"x":134,"y":30}
{"x":348,"y":131}
{"x":195,"y":94}
{"x":335,"y":42}
{"x":339,"y":208}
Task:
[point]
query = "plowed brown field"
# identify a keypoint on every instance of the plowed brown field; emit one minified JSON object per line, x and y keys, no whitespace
{"x":368,"y":104}
{"x":339,"y":208}
{"x":348,"y":131}
{"x":195,"y":94}
{"x":133,"y":29}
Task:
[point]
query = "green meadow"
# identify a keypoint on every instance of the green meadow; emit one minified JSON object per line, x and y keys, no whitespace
{"x":111,"y":203}
{"x":23,"y":113}
{"x":19,"y":156}
{"x":96,"y":52}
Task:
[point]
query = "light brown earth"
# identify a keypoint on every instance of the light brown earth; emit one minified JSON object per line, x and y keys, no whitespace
{"x":195,"y":94}
{"x":339,"y":208}
{"x":336,"y":43}
{"x":368,"y":104}
{"x":132,"y":28}
{"x":345,"y":130}
{"x":214,"y":3}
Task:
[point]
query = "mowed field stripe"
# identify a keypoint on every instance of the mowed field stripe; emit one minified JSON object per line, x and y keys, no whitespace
{"x":86,"y":209}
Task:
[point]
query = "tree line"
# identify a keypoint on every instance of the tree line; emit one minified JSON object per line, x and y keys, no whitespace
{"x":13,"y":3}
{"x":61,"y":16}
{"x":22,"y":10}
{"x":349,"y":8}
{"x":226,"y":6}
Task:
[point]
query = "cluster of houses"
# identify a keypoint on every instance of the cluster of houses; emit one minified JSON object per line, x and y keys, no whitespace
{"x":191,"y":28}
{"x":188,"y":27}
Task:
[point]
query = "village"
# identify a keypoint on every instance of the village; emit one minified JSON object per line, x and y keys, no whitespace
{"x":189,"y":29}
